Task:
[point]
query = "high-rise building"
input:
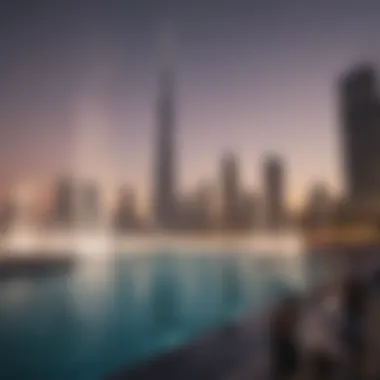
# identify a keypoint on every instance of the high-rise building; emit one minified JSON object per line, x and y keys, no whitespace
{"x":76,"y":203}
{"x":248,"y":210}
{"x":7,"y":213}
{"x":187,"y":212}
{"x":90,"y":203}
{"x":360,"y":121}
{"x":63,"y":206}
{"x":195,"y":211}
{"x":164,"y":202}
{"x":205,"y":200}
{"x":274,"y":192}
{"x":320,"y":206}
{"x":126,"y":214}
{"x":230,"y":188}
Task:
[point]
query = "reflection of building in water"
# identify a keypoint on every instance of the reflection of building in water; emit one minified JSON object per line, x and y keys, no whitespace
{"x":126,"y":214}
{"x":91,"y":289}
{"x":126,"y":283}
{"x":165,"y":298}
{"x":231,"y":286}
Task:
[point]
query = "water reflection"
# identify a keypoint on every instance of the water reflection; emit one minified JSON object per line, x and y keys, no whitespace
{"x":14,"y":295}
{"x":231,"y":290}
{"x":109,"y":313}
{"x":91,"y":290}
{"x":165,"y":296}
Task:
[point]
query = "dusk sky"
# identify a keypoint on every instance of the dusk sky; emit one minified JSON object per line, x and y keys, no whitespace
{"x":251,"y":77}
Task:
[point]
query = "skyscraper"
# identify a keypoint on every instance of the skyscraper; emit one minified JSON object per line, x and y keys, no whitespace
{"x":126,"y":214}
{"x":63,"y":207}
{"x":320,"y":206}
{"x":205,"y":200}
{"x":164,"y":201}
{"x":90,"y":203}
{"x":230,"y":191}
{"x":248,"y":210}
{"x":360,"y":120}
{"x":274,"y":192}
{"x":195,"y":209}
{"x":7,"y":213}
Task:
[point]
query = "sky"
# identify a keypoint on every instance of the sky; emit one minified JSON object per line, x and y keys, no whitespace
{"x":79,"y":87}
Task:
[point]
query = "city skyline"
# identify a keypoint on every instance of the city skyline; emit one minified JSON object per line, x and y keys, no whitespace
{"x":239,"y":89}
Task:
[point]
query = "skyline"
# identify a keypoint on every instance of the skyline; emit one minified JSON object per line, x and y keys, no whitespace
{"x":234,"y":73}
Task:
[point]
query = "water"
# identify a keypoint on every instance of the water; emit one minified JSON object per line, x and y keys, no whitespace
{"x":109,"y":314}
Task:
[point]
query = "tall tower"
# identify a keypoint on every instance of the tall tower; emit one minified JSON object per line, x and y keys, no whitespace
{"x":360,"y":119}
{"x":320,"y":205}
{"x":164,"y":201}
{"x":126,"y":215}
{"x":90,"y":199}
{"x":64,"y":202}
{"x":274,"y":192}
{"x":230,"y":191}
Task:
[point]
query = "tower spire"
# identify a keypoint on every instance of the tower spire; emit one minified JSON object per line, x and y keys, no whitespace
{"x":164,"y":197}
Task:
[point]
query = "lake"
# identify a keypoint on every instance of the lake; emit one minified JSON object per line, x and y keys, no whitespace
{"x":121,"y":310}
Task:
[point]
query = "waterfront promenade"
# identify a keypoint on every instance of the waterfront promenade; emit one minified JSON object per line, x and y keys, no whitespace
{"x":239,"y":351}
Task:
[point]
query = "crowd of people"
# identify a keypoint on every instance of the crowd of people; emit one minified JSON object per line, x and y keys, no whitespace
{"x":326,"y":336}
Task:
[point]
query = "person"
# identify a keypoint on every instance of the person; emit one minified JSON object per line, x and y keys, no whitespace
{"x":354,"y":310}
{"x":283,"y":341}
{"x":319,"y":337}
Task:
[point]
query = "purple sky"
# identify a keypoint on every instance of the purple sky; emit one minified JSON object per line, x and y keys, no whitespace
{"x":252,"y":76}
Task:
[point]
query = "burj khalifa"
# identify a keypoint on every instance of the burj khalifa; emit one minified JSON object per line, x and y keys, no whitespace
{"x":164,"y":192}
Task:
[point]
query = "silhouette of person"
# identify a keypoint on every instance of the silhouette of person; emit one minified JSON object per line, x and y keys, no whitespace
{"x":283,"y":340}
{"x":354,"y":308}
{"x":320,"y":337}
